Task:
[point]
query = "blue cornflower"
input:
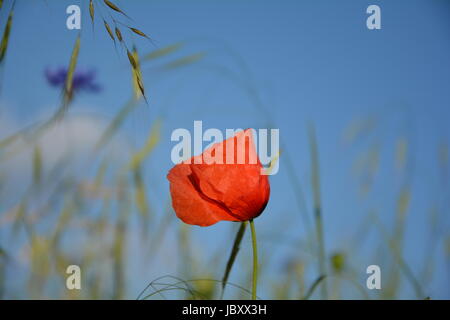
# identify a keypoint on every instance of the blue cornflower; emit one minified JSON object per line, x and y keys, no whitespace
{"x":83,"y":80}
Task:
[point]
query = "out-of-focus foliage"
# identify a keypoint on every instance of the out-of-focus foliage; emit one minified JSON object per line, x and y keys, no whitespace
{"x":101,"y":209}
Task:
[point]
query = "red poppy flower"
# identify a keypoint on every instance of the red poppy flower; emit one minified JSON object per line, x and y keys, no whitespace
{"x":231,"y":188}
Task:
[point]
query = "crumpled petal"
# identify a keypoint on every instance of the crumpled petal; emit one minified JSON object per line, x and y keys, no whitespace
{"x":239,"y":187}
{"x":203,"y":194}
{"x":189,"y":204}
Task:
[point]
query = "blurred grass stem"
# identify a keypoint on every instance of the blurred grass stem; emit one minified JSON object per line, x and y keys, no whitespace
{"x":315,"y":181}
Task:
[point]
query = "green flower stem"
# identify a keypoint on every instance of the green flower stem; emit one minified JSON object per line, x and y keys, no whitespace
{"x":255,"y":260}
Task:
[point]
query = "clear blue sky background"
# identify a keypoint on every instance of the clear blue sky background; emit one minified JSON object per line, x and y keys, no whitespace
{"x":311,"y":62}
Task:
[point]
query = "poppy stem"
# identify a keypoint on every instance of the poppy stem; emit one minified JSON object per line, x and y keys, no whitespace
{"x":255,"y":260}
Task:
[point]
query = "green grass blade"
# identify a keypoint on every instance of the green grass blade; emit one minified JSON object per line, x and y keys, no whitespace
{"x":315,"y":183}
{"x":37,"y":165}
{"x":153,"y":138}
{"x":233,"y":255}
{"x":117,"y":122}
{"x":184,"y":61}
{"x":313,"y":287}
{"x":71,"y":70}
{"x":163,"y":51}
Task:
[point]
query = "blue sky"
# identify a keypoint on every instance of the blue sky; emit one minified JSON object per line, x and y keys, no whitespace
{"x":309,"y":62}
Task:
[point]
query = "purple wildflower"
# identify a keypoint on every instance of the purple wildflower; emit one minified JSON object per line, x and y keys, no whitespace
{"x":83,"y":80}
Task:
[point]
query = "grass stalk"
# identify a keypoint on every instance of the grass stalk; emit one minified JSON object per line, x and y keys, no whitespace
{"x":233,"y":255}
{"x":315,"y":181}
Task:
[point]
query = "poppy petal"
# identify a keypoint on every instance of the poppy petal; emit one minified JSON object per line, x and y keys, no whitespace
{"x":205,"y":192}
{"x":239,"y":187}
{"x":189,"y":204}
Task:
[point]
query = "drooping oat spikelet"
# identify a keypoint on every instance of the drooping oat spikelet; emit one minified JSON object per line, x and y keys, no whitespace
{"x":108,"y":29}
{"x":114,"y":7}
{"x":91,"y":11}
{"x":118,"y":34}
{"x":138,"y":84}
{"x":139,"y":32}
{"x":131,"y":59}
{"x":5,"y":38}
